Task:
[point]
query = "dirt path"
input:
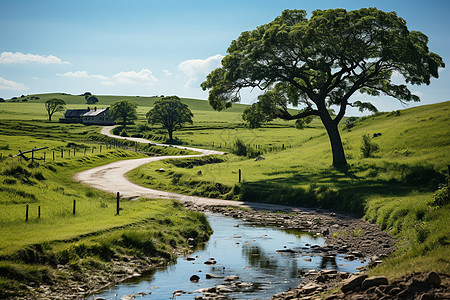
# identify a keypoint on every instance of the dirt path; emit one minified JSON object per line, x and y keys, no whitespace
{"x":111,"y":178}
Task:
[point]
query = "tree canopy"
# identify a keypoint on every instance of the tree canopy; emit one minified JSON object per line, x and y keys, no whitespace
{"x":322,"y":61}
{"x":123,"y":111}
{"x":171,"y":113}
{"x":54,"y":105}
{"x":91,"y":99}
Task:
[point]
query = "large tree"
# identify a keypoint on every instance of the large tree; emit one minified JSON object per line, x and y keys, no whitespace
{"x":322,"y":61}
{"x":171,"y":113}
{"x":54,"y":105}
{"x":123,"y":111}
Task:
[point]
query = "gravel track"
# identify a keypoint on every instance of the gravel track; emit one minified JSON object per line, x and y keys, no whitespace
{"x":111,"y":179}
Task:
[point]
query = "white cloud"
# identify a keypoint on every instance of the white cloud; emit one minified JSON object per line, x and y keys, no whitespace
{"x":197,"y":69}
{"x":83,"y":74}
{"x":144,"y":76}
{"x":20,"y":58}
{"x":417,"y":93}
{"x":11,"y":85}
{"x":167,"y":73}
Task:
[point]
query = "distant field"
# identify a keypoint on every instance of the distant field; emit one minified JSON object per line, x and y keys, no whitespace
{"x":35,"y":108}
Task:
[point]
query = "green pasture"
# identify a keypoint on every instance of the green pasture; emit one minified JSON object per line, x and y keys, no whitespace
{"x":151,"y":229}
{"x":394,"y":188}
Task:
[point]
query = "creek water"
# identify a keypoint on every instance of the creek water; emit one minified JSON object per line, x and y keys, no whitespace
{"x":242,"y":249}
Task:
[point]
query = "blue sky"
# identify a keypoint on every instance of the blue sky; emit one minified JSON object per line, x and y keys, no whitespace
{"x":138,"y":47}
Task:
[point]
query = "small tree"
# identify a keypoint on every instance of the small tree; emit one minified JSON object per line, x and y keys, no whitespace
{"x":368,"y":148}
{"x":92,"y":100}
{"x":54,"y":105}
{"x":123,"y":111}
{"x":171,"y":113}
{"x":86,"y":95}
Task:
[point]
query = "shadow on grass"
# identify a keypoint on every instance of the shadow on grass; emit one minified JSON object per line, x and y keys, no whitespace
{"x":345,"y":188}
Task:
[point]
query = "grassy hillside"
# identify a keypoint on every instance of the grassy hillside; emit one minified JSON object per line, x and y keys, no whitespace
{"x":394,"y":188}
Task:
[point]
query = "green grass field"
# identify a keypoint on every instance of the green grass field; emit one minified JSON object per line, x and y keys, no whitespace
{"x":94,"y":235}
{"x":394,"y":188}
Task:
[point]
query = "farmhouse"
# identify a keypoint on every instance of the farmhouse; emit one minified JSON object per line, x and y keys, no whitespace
{"x":97,"y":117}
{"x":73,"y":116}
{"x":88,"y":116}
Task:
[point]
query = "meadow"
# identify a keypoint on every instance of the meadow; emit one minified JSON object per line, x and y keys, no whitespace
{"x":90,"y":238}
{"x":403,"y":187}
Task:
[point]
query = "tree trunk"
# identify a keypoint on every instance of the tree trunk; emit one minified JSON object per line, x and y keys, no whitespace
{"x":336,"y":143}
{"x":170,"y":134}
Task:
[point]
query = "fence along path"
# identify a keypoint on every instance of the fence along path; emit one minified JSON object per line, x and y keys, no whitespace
{"x":111,"y":178}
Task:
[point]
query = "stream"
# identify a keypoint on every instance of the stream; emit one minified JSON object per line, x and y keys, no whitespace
{"x":242,"y":249}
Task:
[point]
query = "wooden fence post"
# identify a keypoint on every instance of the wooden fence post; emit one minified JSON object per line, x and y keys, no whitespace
{"x":240,"y":175}
{"x":118,"y":208}
{"x":74,"y":206}
{"x":53,"y":155}
{"x":26,"y":213}
{"x":39,"y":212}
{"x":100,"y":148}
{"x":44,"y":156}
{"x":32,"y":155}
{"x":62,"y":153}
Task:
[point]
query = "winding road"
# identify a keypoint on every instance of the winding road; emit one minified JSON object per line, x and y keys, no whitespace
{"x":111,"y":178}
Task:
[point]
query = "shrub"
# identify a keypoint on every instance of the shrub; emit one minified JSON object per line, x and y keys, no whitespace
{"x":368,"y":148}
{"x":440,"y":197}
{"x":239,"y":148}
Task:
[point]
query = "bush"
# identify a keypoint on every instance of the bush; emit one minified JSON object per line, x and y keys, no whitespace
{"x":440,"y":197}
{"x":239,"y":148}
{"x":368,"y":148}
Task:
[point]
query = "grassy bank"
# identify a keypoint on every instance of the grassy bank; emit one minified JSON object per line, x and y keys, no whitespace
{"x":55,"y":245}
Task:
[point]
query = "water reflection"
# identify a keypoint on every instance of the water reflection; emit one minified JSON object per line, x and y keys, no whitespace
{"x":257,"y":258}
{"x":328,"y":262}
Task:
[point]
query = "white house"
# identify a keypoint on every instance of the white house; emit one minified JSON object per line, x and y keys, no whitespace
{"x":97,"y":117}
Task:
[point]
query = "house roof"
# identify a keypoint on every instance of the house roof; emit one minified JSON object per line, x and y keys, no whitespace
{"x":75,"y":113}
{"x":93,"y":113}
